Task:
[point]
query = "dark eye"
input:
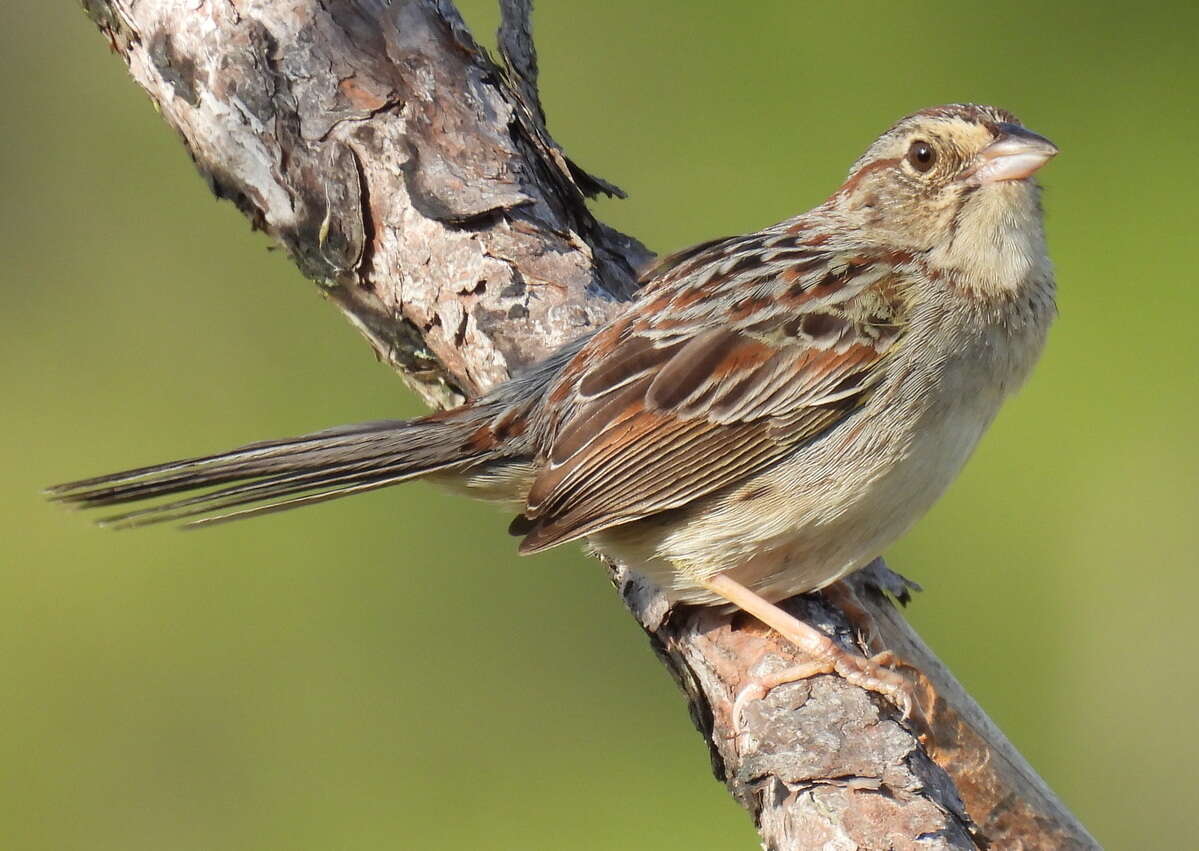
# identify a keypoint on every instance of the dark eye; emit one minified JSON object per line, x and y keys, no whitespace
{"x":922,"y":155}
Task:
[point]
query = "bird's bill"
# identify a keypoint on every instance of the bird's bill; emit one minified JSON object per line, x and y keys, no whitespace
{"x":1015,"y":154}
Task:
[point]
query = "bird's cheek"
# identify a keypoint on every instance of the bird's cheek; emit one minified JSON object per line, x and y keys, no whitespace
{"x":933,"y":219}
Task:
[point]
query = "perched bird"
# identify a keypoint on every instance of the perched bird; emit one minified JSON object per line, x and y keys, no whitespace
{"x":769,"y":414}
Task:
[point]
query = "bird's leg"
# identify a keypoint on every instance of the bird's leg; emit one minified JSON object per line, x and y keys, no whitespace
{"x":827,"y":657}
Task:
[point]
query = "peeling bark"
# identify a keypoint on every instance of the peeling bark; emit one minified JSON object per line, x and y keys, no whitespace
{"x":413,"y":179}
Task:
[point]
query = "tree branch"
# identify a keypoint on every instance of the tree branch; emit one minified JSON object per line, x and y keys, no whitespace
{"x":414,"y":180}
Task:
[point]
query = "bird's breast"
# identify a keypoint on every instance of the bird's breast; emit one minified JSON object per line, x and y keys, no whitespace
{"x":837,"y":502}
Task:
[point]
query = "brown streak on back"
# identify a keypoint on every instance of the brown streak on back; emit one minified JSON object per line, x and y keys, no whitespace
{"x":795,"y":271}
{"x":747,"y":307}
{"x":688,"y":297}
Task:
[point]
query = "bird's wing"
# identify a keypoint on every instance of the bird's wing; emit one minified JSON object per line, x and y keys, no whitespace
{"x":735,"y":356}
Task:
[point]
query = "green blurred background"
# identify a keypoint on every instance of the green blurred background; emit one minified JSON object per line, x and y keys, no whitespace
{"x":305,"y":682}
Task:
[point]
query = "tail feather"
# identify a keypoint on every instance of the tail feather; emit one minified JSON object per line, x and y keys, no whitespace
{"x":307,"y":499}
{"x":279,"y":474}
{"x":282,"y":490}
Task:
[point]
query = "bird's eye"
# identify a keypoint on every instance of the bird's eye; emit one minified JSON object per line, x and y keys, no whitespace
{"x":922,"y":155}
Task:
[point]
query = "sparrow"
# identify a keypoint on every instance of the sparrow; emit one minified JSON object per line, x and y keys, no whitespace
{"x":769,"y":414}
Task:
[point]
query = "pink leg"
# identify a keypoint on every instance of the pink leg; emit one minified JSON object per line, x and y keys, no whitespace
{"x":828,"y":657}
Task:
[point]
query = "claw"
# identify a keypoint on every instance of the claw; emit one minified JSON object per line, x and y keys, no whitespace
{"x":827,"y":657}
{"x":869,"y":674}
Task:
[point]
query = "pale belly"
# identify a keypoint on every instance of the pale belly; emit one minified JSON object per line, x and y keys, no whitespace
{"x":826,"y":511}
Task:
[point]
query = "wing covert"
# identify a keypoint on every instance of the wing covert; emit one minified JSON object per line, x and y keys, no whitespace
{"x":674,"y":401}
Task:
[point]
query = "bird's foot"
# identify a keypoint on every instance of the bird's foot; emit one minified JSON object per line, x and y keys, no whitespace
{"x":825,"y":657}
{"x":871,"y":674}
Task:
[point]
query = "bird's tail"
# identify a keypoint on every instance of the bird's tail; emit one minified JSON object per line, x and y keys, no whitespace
{"x":279,"y":474}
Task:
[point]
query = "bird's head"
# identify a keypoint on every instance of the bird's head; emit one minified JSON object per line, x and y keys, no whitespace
{"x":954,"y":184}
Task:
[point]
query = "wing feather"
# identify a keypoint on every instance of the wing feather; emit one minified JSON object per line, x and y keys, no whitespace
{"x":678,"y":402}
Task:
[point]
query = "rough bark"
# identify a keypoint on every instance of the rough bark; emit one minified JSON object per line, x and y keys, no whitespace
{"x":414,"y":180}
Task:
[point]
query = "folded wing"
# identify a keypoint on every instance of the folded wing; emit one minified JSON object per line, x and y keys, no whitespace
{"x":665,"y":417}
